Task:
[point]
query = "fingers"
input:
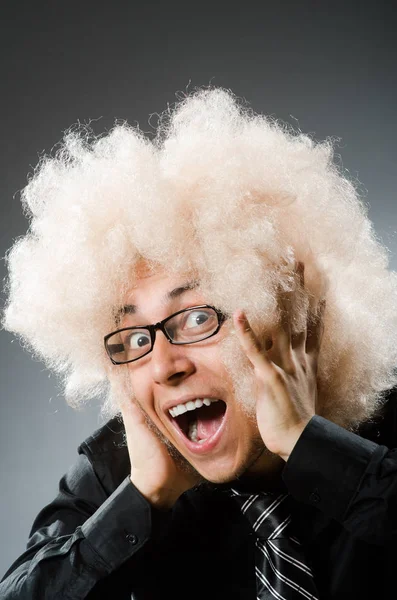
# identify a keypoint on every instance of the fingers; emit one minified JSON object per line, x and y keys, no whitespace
{"x":284,"y":338}
{"x":133,"y":415}
{"x":283,"y":346}
{"x":249,"y":341}
{"x":298,"y":338}
{"x":315,"y":330}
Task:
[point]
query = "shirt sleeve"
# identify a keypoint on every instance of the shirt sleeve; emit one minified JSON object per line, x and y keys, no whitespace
{"x":350,"y":479}
{"x":79,"y":538}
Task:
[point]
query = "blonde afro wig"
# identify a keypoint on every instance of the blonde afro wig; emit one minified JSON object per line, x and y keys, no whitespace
{"x":220,"y":191}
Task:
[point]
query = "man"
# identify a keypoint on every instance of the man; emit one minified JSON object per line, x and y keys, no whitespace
{"x":222,"y":288}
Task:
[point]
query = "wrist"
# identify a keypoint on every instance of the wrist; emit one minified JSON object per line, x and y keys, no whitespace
{"x":161,"y":499}
{"x":282,"y":442}
{"x":290,"y":440}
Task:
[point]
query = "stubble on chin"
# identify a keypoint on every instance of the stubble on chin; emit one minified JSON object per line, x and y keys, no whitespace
{"x":249,"y":469}
{"x":177,"y":457}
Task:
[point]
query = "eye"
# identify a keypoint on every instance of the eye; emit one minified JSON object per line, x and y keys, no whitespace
{"x":137,"y":340}
{"x":196,"y":318}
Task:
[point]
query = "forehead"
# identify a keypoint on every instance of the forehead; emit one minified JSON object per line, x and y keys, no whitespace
{"x":154,"y":290}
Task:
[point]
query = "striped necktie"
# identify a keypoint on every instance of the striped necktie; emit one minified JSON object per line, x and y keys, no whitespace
{"x":281,"y":571}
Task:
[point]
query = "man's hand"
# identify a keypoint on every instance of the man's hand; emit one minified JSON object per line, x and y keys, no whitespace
{"x":159,"y":478}
{"x":286,"y":375}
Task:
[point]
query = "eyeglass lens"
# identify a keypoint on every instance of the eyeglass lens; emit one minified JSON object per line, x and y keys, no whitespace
{"x":189,"y":326}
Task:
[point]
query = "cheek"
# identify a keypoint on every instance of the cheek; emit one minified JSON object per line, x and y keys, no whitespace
{"x":139,"y":385}
{"x":212,"y":364}
{"x":240,"y":375}
{"x":121,"y":391}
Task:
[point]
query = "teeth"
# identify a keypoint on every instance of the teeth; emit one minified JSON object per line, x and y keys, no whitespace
{"x":191,"y":405}
{"x":192,"y":433}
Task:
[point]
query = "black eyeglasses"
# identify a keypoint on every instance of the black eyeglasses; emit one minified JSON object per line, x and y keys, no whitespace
{"x":187,"y":326}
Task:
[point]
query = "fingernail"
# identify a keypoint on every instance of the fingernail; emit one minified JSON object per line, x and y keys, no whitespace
{"x":240,"y":316}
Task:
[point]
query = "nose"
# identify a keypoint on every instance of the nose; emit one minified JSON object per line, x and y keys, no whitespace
{"x":170,"y":364}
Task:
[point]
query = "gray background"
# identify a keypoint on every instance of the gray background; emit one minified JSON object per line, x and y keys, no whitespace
{"x":326,"y":67}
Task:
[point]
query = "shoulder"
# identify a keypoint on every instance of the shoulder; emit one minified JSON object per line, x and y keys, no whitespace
{"x":106,"y":449}
{"x":107,"y":438}
{"x":382,"y":428}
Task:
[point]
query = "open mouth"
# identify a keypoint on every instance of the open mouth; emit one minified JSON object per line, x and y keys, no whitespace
{"x":199,"y":419}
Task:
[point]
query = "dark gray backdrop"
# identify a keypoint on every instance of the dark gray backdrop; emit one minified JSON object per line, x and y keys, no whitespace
{"x":326,"y":67}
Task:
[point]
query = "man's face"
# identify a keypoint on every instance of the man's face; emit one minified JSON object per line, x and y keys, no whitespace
{"x":218,"y":438}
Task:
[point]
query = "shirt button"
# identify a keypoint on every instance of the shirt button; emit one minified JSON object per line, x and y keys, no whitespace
{"x":315,"y":497}
{"x":131,"y":538}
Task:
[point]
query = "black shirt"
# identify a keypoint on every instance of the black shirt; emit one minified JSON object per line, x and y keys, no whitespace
{"x":101,"y":540}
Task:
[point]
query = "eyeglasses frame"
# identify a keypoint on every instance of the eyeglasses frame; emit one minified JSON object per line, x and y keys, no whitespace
{"x":161,"y":326}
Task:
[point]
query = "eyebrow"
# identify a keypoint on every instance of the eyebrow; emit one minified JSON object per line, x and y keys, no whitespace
{"x":131,"y":309}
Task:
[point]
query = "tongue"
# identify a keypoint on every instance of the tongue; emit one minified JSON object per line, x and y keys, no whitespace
{"x":209,"y":420}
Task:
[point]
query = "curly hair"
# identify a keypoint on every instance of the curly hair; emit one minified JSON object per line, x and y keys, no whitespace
{"x":232,"y":195}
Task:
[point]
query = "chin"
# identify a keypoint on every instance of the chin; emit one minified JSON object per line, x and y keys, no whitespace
{"x":219,"y":473}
